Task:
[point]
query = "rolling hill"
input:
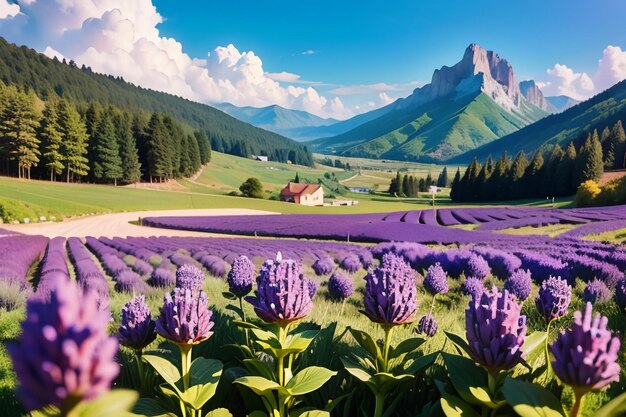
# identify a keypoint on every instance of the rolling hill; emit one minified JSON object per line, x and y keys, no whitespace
{"x":47,"y":77}
{"x":571,"y":125}
{"x":474,"y":102}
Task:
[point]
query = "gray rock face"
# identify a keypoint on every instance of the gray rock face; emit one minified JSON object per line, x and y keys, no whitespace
{"x":533,"y":94}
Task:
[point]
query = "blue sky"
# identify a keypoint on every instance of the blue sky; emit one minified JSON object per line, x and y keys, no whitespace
{"x":331,"y":58}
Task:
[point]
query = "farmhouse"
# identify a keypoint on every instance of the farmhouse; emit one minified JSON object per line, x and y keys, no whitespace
{"x":260,"y":158}
{"x":304,"y":194}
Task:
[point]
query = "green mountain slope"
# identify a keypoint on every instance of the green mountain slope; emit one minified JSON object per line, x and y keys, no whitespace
{"x":47,"y":77}
{"x":434,"y":131}
{"x":571,"y":125}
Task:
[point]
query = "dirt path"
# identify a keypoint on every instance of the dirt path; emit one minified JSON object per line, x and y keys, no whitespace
{"x":117,"y":224}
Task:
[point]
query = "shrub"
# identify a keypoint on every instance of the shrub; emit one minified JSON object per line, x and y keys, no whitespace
{"x":252,"y":188}
{"x":587,"y":194}
{"x":12,"y":295}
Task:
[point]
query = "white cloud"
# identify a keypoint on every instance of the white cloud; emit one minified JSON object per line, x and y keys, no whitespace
{"x":8,"y":10}
{"x":308,"y":52}
{"x":121,"y":38}
{"x":611,"y":67}
{"x":363,"y":89}
{"x":563,"y":80}
{"x":384,"y":99}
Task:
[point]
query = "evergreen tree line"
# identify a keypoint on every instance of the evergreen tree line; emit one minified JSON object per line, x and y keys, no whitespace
{"x":336,"y":164}
{"x":56,"y":141}
{"x":51,"y":78}
{"x":555,"y":174}
{"x":410,"y":186}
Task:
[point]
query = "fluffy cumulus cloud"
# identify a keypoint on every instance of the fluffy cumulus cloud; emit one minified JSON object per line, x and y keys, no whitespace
{"x":563,"y":80}
{"x":121,"y":37}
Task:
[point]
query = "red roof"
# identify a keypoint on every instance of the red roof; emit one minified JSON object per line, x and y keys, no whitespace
{"x":299,"y":189}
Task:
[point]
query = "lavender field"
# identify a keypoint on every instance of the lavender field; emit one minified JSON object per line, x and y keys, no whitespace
{"x":376,"y":315}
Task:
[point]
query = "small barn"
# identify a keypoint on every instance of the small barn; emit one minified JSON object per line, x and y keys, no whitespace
{"x":304,"y":194}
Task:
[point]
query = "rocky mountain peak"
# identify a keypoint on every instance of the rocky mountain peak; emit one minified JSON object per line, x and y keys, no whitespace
{"x":533,"y":94}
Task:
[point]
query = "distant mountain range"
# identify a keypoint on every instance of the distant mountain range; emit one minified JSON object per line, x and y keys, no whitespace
{"x":572,"y":124}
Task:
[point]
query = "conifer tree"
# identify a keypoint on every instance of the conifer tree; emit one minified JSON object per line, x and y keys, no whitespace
{"x":107,"y":164}
{"x":534,"y":175}
{"x":49,"y":134}
{"x":500,"y":185}
{"x":405,"y":186}
{"x":589,"y":165}
{"x":159,"y":163}
{"x":204,"y":145}
{"x":455,"y":185}
{"x":516,"y":175}
{"x":131,"y":167}
{"x":548,"y":183}
{"x":564,"y":184}
{"x":483,"y":179}
{"x":618,"y":137}
{"x":442,"y":181}
{"x":74,"y":147}
{"x":421,"y":185}
{"x":297,"y":178}
{"x":471,"y":186}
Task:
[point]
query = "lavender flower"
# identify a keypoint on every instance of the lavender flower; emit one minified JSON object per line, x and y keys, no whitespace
{"x":323,"y":266}
{"x":312,"y":287}
{"x":137,"y":328}
{"x":282,"y":294}
{"x":477,"y":267}
{"x":340,"y":286}
{"x":241,"y":276}
{"x":620,"y":294}
{"x":427,"y":325}
{"x":473,"y":287}
{"x":597,"y":291}
{"x":585,"y":355}
{"x":554,"y":297}
{"x":185,"y":318}
{"x":390,"y":292}
{"x":495,"y":330}
{"x":64,"y":354}
{"x":519,"y":284}
{"x":190,"y":277}
{"x":436,"y":281}
{"x":162,"y":278}
{"x":351,"y":263}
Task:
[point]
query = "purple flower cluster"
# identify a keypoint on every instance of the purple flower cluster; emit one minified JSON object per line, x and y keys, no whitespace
{"x":17,"y":254}
{"x":553,"y":299}
{"x":427,"y":325}
{"x":436,"y":281}
{"x":585,"y":355}
{"x":185,"y":318}
{"x":340,"y":286}
{"x":282,"y":294}
{"x":312,"y":287}
{"x":351,"y":263}
{"x":390,"y":292}
{"x":495,"y":330}
{"x":137,"y":329}
{"x":190,"y":277}
{"x":477,"y":267}
{"x":597,"y":291}
{"x":64,"y":353}
{"x":241,"y":276}
{"x":323,"y":266}
{"x":519,"y":284}
{"x":473,"y":287}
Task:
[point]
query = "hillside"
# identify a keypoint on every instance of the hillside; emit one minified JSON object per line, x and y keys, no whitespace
{"x":47,"y":77}
{"x":602,"y":110}
{"x":286,"y":122}
{"x":465,"y":106}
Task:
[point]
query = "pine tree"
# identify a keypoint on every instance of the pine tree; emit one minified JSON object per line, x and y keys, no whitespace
{"x":74,"y":146}
{"x":131,"y":167}
{"x":297,"y":179}
{"x":204,"y":145}
{"x":548,"y":183}
{"x":405,"y":186}
{"x":429,"y":180}
{"x":472,"y":186}
{"x":564,"y":185}
{"x":534,"y":175}
{"x":49,"y":134}
{"x":483,"y":179}
{"x":500,"y":186}
{"x":18,"y":127}
{"x":442,"y":181}
{"x":454,"y":186}
{"x":158,"y":160}
{"x":194,"y":154}
{"x":589,"y":165}
{"x":619,"y":145}
{"x":516,"y":175}
{"x":107,"y":165}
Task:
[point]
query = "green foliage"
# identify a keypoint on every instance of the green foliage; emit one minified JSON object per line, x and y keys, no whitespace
{"x":589,"y":164}
{"x":107,"y":164}
{"x":252,"y":188}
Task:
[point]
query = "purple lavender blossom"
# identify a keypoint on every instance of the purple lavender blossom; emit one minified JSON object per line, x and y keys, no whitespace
{"x":427,"y":325}
{"x":620,"y":294}
{"x":554,"y":297}
{"x":241,"y":276}
{"x":477,"y":267}
{"x":436,"y":281}
{"x":495,"y":330}
{"x":312,"y":287}
{"x":340,"y":286}
{"x":585,"y":355}
{"x":282,"y":294}
{"x":162,"y":278}
{"x":323,"y":266}
{"x":137,"y":328}
{"x":366,"y":258}
{"x":185,"y":318}
{"x":64,"y":354}
{"x":519,"y":284}
{"x":351,"y":263}
{"x":597,"y":291}
{"x":190,"y":277}
{"x":390,"y":292}
{"x":473,"y":287}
